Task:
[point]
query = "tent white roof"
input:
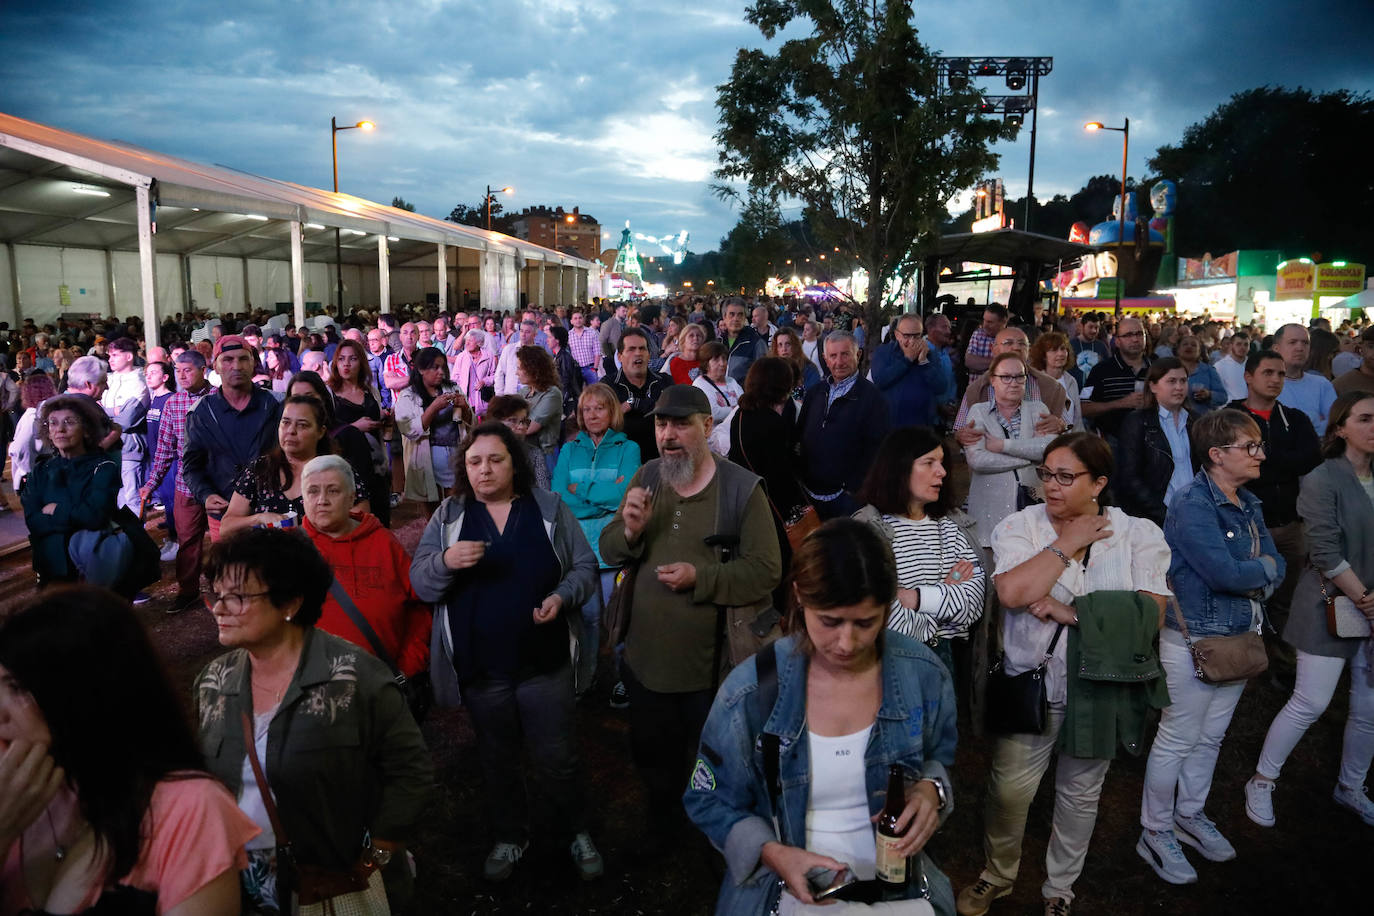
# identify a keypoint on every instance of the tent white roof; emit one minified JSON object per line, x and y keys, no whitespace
{"x":47,"y":176}
{"x":1364,"y":299}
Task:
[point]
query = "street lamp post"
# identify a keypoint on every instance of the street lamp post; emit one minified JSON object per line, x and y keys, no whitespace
{"x":505,"y":190}
{"x":334,"y":129}
{"x":567,"y":218}
{"x":1125,"y":131}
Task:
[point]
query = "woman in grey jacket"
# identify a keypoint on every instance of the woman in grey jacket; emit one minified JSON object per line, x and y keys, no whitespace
{"x":1337,"y":504}
{"x":503,"y":561}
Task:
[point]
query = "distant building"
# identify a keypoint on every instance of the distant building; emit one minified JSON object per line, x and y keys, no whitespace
{"x":577,"y":233}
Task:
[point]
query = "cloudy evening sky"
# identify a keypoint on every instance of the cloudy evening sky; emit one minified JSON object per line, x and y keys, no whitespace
{"x":606,"y":105}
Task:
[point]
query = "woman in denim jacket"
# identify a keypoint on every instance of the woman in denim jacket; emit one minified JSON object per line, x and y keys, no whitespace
{"x":1224,"y":565}
{"x":852,"y":699}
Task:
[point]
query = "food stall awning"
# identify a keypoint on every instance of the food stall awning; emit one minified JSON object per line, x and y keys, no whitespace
{"x":1007,"y":247}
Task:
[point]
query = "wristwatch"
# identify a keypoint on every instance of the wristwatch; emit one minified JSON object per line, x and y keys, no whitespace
{"x":381,"y":858}
{"x":939,"y":790}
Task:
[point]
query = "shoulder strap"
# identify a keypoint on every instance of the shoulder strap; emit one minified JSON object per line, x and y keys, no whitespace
{"x":1059,"y":631}
{"x":766,"y":665}
{"x":351,"y":609}
{"x":278,"y":829}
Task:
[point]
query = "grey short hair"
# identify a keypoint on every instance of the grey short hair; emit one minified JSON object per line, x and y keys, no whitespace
{"x":321,"y":463}
{"x":478,"y":333}
{"x":841,"y":337}
{"x":88,"y":370}
{"x":194,"y":357}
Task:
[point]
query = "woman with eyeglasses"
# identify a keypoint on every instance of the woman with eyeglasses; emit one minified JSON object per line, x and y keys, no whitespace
{"x":76,"y":529}
{"x":1002,"y":462}
{"x":1068,"y":564}
{"x":538,"y":378}
{"x":336,"y":761}
{"x":1154,"y":455}
{"x":1224,"y":566}
{"x":1335,"y":501}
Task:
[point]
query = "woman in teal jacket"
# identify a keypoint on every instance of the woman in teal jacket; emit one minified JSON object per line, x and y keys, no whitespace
{"x":69,"y":504}
{"x":591,"y":476}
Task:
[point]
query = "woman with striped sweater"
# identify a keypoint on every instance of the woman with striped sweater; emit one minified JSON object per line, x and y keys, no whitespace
{"x":939,"y":570}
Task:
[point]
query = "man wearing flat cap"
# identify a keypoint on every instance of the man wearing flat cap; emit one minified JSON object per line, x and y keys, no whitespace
{"x":698,"y":529}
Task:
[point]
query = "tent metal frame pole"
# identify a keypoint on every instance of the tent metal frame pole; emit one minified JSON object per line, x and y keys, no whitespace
{"x":297,"y":274}
{"x":110,"y":283}
{"x":147,"y":265}
{"x":383,"y":276}
{"x":443,"y":274}
{"x":14,"y":286}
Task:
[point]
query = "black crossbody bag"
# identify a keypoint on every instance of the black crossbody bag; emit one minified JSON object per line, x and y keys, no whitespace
{"x":417,"y":691}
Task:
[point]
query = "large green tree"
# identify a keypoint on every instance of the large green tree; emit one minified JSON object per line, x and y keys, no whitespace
{"x":847,"y":119}
{"x":757,"y":246}
{"x":1276,"y":168}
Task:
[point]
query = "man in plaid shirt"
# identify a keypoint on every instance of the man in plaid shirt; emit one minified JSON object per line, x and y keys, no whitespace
{"x":584,"y":344}
{"x":188,"y":515}
{"x":979,"y":354}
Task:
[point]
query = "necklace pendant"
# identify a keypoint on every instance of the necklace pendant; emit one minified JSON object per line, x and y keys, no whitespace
{"x":60,"y":853}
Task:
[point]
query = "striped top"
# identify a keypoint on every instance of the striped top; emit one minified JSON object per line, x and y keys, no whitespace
{"x":926,"y":551}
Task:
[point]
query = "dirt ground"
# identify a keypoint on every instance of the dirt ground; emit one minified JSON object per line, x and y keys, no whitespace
{"x":1309,"y":863}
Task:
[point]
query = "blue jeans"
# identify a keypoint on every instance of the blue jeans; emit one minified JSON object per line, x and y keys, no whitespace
{"x":537,"y":713}
{"x":100,"y":557}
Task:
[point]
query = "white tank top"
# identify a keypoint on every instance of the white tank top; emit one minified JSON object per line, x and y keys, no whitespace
{"x":837,"y":823}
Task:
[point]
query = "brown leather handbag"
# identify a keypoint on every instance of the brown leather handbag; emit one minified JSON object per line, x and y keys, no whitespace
{"x":309,"y":883}
{"x":1222,"y":659}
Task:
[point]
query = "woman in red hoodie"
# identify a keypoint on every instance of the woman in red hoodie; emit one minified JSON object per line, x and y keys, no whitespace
{"x":371,"y":572}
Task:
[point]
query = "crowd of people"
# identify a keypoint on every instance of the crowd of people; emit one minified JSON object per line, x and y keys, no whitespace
{"x":745,"y":518}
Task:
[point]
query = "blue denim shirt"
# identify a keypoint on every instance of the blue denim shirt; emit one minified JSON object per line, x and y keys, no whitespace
{"x":728,"y":796}
{"x":1215,"y":577}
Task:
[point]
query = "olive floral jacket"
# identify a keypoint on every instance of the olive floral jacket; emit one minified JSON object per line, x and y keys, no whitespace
{"x":344,"y":756}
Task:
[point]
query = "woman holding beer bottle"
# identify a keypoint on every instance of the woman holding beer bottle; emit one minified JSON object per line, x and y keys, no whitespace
{"x":849,"y":701}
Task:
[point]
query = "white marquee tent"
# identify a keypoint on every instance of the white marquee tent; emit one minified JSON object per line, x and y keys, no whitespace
{"x":98,"y":227}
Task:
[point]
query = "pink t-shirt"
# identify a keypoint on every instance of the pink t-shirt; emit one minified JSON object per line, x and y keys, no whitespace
{"x":198,"y":833}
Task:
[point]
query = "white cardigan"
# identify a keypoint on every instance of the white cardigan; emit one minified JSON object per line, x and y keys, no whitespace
{"x":996,"y":475}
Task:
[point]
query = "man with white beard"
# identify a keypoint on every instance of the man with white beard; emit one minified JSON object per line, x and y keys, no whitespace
{"x":700,"y":532}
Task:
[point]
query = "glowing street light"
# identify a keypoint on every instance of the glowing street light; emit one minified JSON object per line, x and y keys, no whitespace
{"x":506,"y":190}
{"x":1125,"y":131}
{"x":569,"y":218}
{"x":334,"y":128}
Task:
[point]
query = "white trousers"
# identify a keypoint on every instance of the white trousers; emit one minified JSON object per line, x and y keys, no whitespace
{"x":1019,"y":763}
{"x":1178,"y":774}
{"x":1317,"y":677}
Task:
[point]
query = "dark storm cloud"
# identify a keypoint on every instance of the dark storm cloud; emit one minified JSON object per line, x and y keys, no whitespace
{"x":607,"y":105}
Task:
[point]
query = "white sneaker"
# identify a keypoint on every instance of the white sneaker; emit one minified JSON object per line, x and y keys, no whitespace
{"x":1356,"y":801}
{"x":501,"y":860}
{"x":1202,"y":834}
{"x":586,"y":858}
{"x":1259,"y":801}
{"x":1162,"y":853}
{"x":169,"y":551}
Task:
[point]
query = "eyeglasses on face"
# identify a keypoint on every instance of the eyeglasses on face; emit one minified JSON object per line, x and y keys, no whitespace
{"x":521,"y":422}
{"x":915,"y":335}
{"x":234,"y":602}
{"x":1251,"y":448}
{"x":1021,"y":377}
{"x":1063,"y":478}
{"x":1131,"y":334}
